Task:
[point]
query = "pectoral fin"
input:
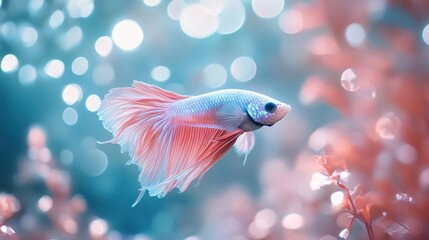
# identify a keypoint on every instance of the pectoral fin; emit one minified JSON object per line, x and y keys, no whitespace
{"x":231,"y":116}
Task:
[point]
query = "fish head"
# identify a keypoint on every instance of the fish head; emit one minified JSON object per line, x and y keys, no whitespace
{"x":267,"y":111}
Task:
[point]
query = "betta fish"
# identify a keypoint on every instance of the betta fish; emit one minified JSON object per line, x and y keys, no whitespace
{"x":174,"y":139}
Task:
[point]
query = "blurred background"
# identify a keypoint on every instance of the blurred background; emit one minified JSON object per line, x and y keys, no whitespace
{"x":354,"y":149}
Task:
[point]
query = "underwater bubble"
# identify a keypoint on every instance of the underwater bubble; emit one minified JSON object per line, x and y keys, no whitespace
{"x":71,"y":38}
{"x":355,"y":34}
{"x":151,"y":3}
{"x":29,"y":36}
{"x":93,"y":103}
{"x":103,"y":46}
{"x":127,"y":35}
{"x":291,"y":21}
{"x":175,"y":8}
{"x":80,"y":8}
{"x":337,"y":198}
{"x":387,"y":126}
{"x":215,"y":75}
{"x":79,"y":66}
{"x":243,"y":68}
{"x":293,"y":221}
{"x":71,"y":94}
{"x":197,"y":22}
{"x":9,"y":63}
{"x":267,"y":8}
{"x":66,"y":157}
{"x":425,"y":34}
{"x":94,"y":163}
{"x":45,"y":203}
{"x":232,"y":17}
{"x":98,"y":227}
{"x":70,"y":116}
{"x":27,"y":74}
{"x":103,"y":74}
{"x":265,"y":218}
{"x":54,"y":68}
{"x":349,"y":80}
{"x":160,"y":73}
{"x":56,"y":19}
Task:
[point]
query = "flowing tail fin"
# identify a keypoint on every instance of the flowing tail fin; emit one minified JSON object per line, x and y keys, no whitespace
{"x":168,"y":155}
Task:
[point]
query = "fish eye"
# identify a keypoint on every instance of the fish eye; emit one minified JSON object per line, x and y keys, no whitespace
{"x":270,"y":107}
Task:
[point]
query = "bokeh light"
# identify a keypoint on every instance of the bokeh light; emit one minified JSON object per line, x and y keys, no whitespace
{"x":9,"y":63}
{"x":71,"y":38}
{"x":103,"y":74}
{"x":355,"y":34}
{"x":265,"y":218}
{"x":291,"y":21}
{"x":79,"y":66}
{"x":80,"y":8}
{"x":93,"y":103}
{"x":337,"y":198}
{"x":56,"y":19}
{"x":267,"y":8}
{"x":243,"y":68}
{"x":54,"y":68}
{"x":175,"y":8}
{"x":103,"y":46}
{"x":98,"y":227}
{"x":151,"y":3}
{"x":197,"y":22}
{"x":71,"y":94}
{"x":160,"y":73}
{"x":425,"y":34}
{"x":293,"y":221}
{"x":70,"y":116}
{"x":215,"y":75}
{"x":66,"y":157}
{"x":94,"y":163}
{"x":127,"y":35}
{"x":35,"y":5}
{"x":232,"y":17}
{"x":29,"y":36}
{"x":27,"y":74}
{"x":45,"y":203}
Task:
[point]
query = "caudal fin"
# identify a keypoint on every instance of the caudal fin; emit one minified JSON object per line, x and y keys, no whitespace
{"x":168,"y":155}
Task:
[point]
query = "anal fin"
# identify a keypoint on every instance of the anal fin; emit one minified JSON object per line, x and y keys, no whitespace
{"x":244,"y":144}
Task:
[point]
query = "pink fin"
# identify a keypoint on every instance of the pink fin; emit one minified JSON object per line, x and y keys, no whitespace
{"x":168,"y":155}
{"x":244,"y":144}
